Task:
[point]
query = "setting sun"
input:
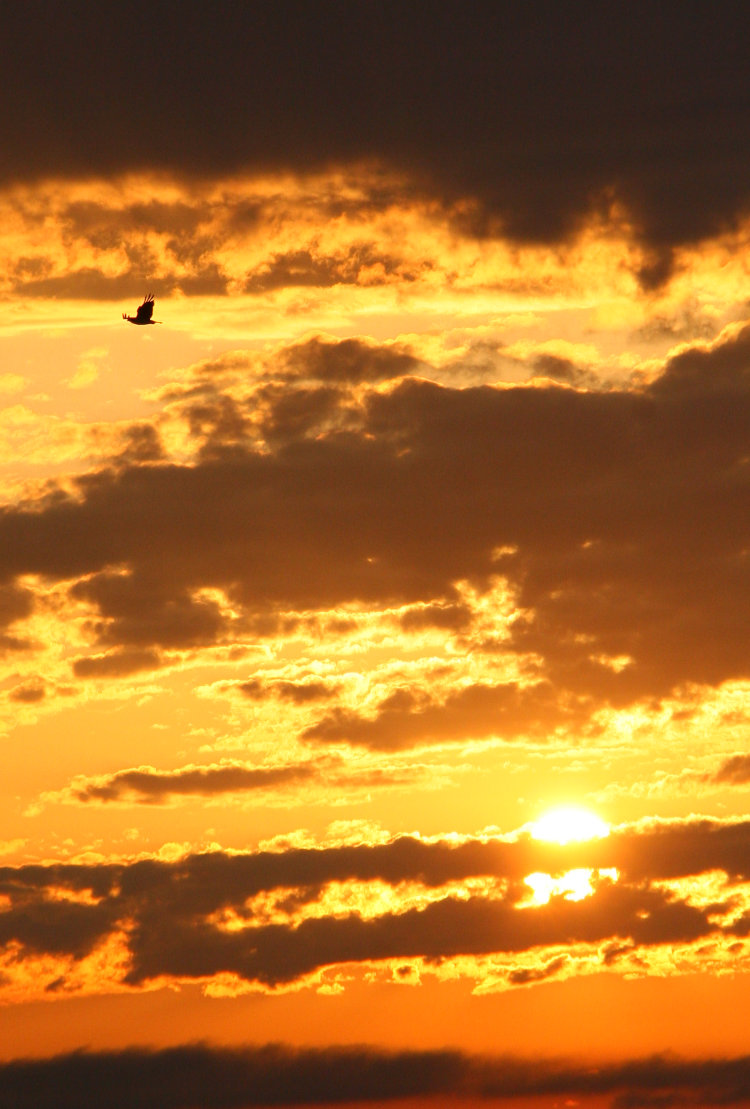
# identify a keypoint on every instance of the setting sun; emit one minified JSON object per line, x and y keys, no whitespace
{"x":569,"y":825}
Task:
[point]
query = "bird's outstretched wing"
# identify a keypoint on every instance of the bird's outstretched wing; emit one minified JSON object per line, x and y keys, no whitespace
{"x":145,"y":310}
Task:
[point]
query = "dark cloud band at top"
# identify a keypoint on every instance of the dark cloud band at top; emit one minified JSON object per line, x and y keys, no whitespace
{"x":532,"y":113}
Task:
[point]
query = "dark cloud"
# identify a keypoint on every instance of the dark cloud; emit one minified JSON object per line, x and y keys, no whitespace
{"x":145,"y":785}
{"x":560,"y":369}
{"x":116,"y":664}
{"x":43,"y":926}
{"x":177,"y":241}
{"x":149,"y":785}
{"x":29,"y":693}
{"x":298,"y":693}
{"x":451,"y":617}
{"x":677,"y":850}
{"x":616,"y":518}
{"x":174,"y":910}
{"x":232,"y":1078}
{"x":217,"y":422}
{"x":275,"y":954}
{"x":734,"y":771}
{"x":348,"y":361}
{"x":140,"y":443}
{"x":207,"y":280}
{"x":409,"y":716}
{"x":104,"y":226}
{"x":359,"y":265}
{"x":90,"y":283}
{"x":290,"y":414}
{"x":141,"y":612}
{"x":16,"y":603}
{"x":529,"y":117}
{"x":525,"y":976}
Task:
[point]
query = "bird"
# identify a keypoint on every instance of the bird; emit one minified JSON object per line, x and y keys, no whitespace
{"x":144,"y":313}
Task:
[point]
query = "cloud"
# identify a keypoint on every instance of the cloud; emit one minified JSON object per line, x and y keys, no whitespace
{"x":275,"y":918}
{"x":507,"y":119}
{"x":89,"y":283}
{"x":452,"y":617}
{"x":29,"y":693}
{"x":347,"y":361}
{"x":16,"y":604}
{"x":276,"y":1074}
{"x":143,"y":612}
{"x":526,"y":975}
{"x":408,"y":717}
{"x":56,"y":927}
{"x":116,"y":664}
{"x":269,"y":784}
{"x":362,"y":264}
{"x":277,"y":954}
{"x":734,"y":771}
{"x":150,"y":785}
{"x":298,"y":693}
{"x":393,"y":495}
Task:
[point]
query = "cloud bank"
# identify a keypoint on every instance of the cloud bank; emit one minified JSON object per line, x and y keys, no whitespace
{"x":182,"y":1077}
{"x":273,"y":919}
{"x":612,"y":518}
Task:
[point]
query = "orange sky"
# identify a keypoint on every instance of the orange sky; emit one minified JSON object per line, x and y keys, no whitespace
{"x":422,"y":513}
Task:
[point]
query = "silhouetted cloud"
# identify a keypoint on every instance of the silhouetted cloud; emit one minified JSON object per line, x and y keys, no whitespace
{"x":175,"y":911}
{"x":29,"y":693}
{"x":116,"y":664}
{"x":585,"y":503}
{"x":408,"y":716}
{"x":146,"y":785}
{"x":149,"y":785}
{"x":348,"y":361}
{"x":510,"y":117}
{"x":275,"y":1074}
{"x":362,"y":264}
{"x":734,"y":771}
{"x":299,"y":693}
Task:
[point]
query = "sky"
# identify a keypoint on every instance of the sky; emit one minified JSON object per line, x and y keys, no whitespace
{"x":375,"y":679}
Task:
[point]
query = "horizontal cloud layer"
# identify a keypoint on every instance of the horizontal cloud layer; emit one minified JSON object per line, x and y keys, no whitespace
{"x":216,"y":1078}
{"x":519,"y":118}
{"x":615,"y":520}
{"x":274,"y":918}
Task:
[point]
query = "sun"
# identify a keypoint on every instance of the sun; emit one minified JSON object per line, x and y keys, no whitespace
{"x":569,"y":825}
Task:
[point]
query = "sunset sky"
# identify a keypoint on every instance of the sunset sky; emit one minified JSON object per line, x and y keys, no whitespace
{"x":375,"y":628}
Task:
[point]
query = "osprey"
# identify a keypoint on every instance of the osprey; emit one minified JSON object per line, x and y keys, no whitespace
{"x":144,"y":313}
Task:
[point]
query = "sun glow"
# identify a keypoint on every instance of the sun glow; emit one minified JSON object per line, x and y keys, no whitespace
{"x":574,"y":885}
{"x":569,"y":825}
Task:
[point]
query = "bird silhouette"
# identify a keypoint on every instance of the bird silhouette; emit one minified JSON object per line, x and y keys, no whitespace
{"x":144,"y":313}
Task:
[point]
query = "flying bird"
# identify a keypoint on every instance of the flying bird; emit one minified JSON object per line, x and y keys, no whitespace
{"x":144,"y":313}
